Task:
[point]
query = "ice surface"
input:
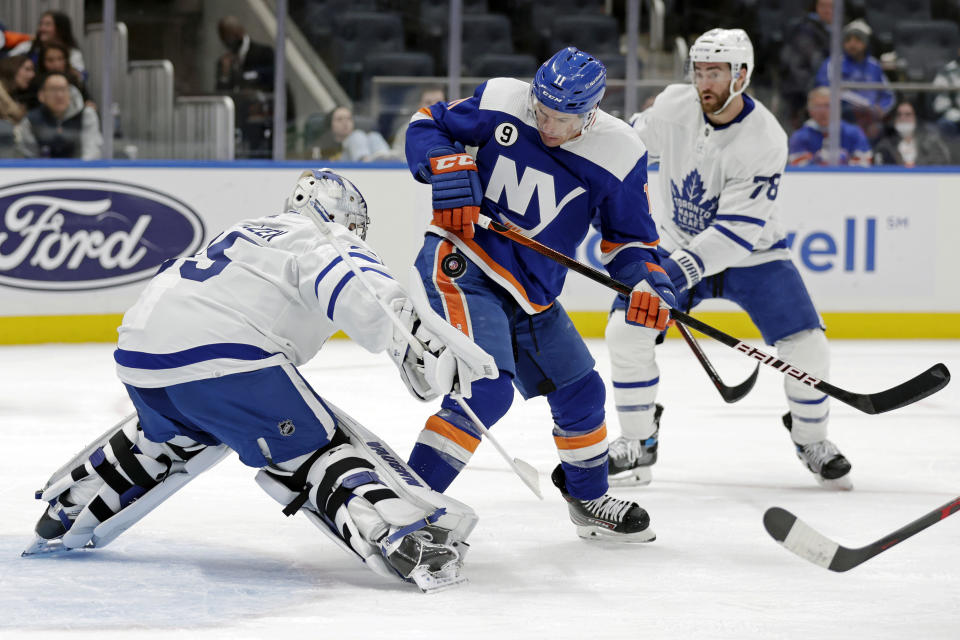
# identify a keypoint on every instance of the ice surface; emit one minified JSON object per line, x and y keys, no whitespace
{"x":219,"y":560}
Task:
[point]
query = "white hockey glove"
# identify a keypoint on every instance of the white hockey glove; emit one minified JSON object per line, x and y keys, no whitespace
{"x":429,"y":374}
{"x":684,"y":268}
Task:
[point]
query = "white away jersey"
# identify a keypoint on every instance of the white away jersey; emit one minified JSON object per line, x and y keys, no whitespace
{"x":720,"y":182}
{"x":265,"y":292}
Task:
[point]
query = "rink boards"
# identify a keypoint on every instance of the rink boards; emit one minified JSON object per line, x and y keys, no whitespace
{"x":78,"y":241}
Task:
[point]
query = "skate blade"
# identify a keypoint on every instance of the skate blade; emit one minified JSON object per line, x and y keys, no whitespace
{"x":42,"y":546}
{"x":843,"y":483}
{"x":594,"y":533}
{"x":636,"y":477}
{"x":435,"y":582}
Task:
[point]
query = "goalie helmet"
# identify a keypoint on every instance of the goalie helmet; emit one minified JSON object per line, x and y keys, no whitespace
{"x":333,"y":197}
{"x":571,"y":81}
{"x":732,"y":46}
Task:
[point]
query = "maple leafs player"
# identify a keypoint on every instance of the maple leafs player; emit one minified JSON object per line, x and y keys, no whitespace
{"x":209,"y":357}
{"x":722,"y":155}
{"x":547,"y":159}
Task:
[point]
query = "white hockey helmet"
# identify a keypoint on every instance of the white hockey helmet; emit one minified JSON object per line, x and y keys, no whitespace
{"x":332,"y":196}
{"x":732,"y":46}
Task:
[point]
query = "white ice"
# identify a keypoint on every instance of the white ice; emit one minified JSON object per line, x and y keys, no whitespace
{"x":219,"y":560}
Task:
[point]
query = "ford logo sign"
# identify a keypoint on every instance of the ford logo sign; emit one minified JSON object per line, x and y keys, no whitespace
{"x":70,"y":235}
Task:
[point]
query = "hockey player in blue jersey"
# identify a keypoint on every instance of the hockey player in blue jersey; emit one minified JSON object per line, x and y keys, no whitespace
{"x":209,"y":357}
{"x":547,"y":159}
{"x":722,"y":156}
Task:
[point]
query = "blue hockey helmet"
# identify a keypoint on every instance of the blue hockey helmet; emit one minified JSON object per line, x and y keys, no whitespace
{"x":571,"y":81}
{"x":332,"y":196}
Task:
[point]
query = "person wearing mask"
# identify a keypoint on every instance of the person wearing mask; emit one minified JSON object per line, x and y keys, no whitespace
{"x":911,"y":143}
{"x":58,"y":128}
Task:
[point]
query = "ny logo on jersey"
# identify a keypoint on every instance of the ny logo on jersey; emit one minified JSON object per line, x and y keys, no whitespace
{"x":520,"y":190}
{"x":691,"y":212}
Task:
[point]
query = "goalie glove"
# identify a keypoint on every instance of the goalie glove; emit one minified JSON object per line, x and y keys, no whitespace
{"x":429,"y":374}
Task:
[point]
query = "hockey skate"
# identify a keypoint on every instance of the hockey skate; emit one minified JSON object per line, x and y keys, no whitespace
{"x":605,"y":517}
{"x":630,"y":460}
{"x":425,"y":557}
{"x":824,"y":460}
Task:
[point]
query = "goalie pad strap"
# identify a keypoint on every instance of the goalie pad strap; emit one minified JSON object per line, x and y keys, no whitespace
{"x":337,"y":499}
{"x":79,"y":473}
{"x":376,"y":495}
{"x":100,"y":510}
{"x":106,"y":471}
{"x":333,"y":473}
{"x":122,"y":446}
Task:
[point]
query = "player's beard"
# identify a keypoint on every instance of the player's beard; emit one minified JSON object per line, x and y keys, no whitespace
{"x":716,"y":102}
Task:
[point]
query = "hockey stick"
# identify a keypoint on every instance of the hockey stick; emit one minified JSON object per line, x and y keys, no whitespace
{"x":524,"y":470}
{"x":729,"y":394}
{"x":917,"y":388}
{"x":797,"y":536}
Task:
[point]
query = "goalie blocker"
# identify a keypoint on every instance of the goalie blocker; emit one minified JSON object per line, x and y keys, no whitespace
{"x":355,"y":489}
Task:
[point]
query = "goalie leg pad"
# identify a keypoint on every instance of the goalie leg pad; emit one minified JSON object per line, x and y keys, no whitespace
{"x":113,"y":483}
{"x":360,"y":493}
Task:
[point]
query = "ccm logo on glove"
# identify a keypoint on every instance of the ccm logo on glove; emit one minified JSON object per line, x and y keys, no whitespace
{"x":455,"y":162}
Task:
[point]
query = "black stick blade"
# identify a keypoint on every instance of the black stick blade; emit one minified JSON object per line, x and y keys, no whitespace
{"x":740,"y":391}
{"x":914,"y":389}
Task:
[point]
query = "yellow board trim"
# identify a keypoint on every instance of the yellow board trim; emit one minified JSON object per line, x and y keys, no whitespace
{"x":590,"y":324}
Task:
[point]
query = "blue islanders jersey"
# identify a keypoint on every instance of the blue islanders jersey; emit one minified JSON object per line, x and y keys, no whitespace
{"x":549,"y":194}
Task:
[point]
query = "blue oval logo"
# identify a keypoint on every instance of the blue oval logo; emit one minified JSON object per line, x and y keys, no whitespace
{"x":71,"y":235}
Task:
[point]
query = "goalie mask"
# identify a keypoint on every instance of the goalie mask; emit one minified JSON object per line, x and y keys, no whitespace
{"x":732,"y":46}
{"x":333,"y":197}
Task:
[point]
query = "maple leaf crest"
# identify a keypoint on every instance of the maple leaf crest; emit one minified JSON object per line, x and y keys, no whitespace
{"x":696,"y":214}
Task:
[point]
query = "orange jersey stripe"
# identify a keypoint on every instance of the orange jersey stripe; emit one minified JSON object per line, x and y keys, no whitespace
{"x":503,"y":273}
{"x":450,"y":432}
{"x":579,"y":442}
{"x":606,"y":246}
{"x":452,"y":297}
{"x":425,"y":111}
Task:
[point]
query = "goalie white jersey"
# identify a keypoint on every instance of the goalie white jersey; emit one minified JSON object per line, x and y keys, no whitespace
{"x":282,"y":291}
{"x":719,"y":182}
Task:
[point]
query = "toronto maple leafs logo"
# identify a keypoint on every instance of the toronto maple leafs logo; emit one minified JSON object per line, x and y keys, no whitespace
{"x":691,"y":212}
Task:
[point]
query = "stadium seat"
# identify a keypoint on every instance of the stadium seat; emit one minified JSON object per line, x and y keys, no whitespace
{"x":393,"y":99}
{"x":356,"y":36}
{"x":509,"y":65}
{"x":315,"y":19}
{"x":483,"y":34}
{"x":596,"y":34}
{"x":923,"y":46}
{"x":884,"y":15}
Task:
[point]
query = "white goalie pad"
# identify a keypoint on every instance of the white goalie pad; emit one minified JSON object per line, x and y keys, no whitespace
{"x":96,"y":514}
{"x":363,"y":496}
{"x":472,"y":362}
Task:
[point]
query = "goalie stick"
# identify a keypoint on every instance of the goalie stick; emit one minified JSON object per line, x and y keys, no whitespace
{"x":917,"y":388}
{"x":797,"y":536}
{"x":729,"y":394}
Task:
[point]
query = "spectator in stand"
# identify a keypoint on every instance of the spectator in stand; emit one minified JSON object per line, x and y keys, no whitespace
{"x":57,"y":128}
{"x":806,"y":46}
{"x":911,"y":143}
{"x":947,"y":104}
{"x":54,"y":56}
{"x":807,"y":144}
{"x":17,"y":74}
{"x":246,"y":64}
{"x":428,"y":97}
{"x":866,"y":107}
{"x":344,"y":142}
{"x":54,"y":26}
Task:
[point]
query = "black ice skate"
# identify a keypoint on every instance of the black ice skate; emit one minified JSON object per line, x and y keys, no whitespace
{"x":824,"y":460}
{"x":605,"y":517}
{"x":630,"y":460}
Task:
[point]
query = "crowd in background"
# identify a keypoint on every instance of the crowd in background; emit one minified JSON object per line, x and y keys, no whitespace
{"x":46,"y":110}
